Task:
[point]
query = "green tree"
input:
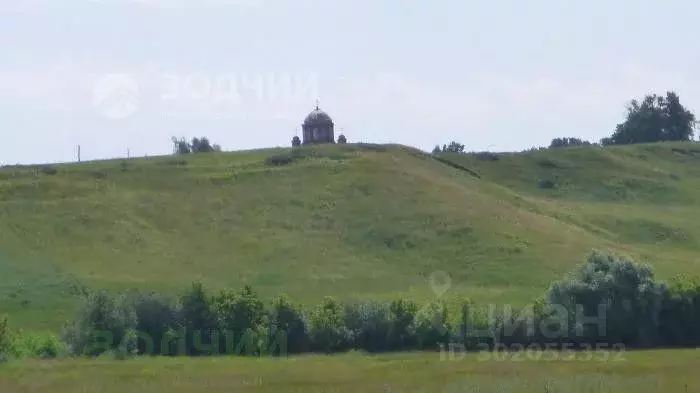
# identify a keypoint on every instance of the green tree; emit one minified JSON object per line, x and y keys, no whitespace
{"x":654,"y":119}
{"x":6,"y":339}
{"x":453,"y":147}
{"x":181,"y":146}
{"x":327,"y":326}
{"x":198,"y":318}
{"x":104,"y":323}
{"x":286,"y":322}
{"x":402,"y":329}
{"x":566,"y":142}
{"x":196,"y":145}
{"x":621,"y":294}
{"x":240,"y":317}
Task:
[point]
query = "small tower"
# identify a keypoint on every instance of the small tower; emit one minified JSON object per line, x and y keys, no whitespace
{"x":296,"y":142}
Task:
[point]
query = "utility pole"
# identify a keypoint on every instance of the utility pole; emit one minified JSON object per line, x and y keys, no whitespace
{"x":128,"y":153}
{"x":78,"y":153}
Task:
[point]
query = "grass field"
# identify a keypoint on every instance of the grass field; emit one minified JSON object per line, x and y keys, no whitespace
{"x":639,"y":372}
{"x":354,"y":221}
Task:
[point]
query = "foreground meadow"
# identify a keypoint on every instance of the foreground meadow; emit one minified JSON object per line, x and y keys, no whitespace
{"x":639,"y":372}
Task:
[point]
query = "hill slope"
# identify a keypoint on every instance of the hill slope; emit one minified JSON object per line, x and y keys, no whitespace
{"x":355,"y":221}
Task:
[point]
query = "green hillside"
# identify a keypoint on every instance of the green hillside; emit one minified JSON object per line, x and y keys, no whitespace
{"x":354,"y":221}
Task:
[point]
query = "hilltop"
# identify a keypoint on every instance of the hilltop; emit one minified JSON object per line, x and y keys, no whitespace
{"x":351,"y":221}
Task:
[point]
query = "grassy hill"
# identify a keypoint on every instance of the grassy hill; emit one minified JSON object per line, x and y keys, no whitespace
{"x":354,"y":221}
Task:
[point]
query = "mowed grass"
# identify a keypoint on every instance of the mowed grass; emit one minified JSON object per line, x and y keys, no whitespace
{"x":640,"y":372}
{"x":354,"y":222}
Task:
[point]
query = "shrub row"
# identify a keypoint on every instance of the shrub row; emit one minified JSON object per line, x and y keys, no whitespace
{"x":608,"y":300}
{"x":18,"y":345}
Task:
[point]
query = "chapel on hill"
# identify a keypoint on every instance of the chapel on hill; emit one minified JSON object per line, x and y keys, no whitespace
{"x":317,"y":128}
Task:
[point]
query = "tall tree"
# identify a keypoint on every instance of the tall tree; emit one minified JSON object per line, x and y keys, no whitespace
{"x":654,"y":119}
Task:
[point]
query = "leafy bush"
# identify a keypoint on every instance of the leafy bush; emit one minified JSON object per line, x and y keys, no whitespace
{"x":453,"y":147}
{"x":327,"y":328}
{"x":279,"y":160}
{"x":157,"y":318}
{"x":240,"y":317}
{"x":368,"y":325}
{"x":196,"y":145}
{"x":44,"y":346}
{"x":6,"y":339}
{"x":287,"y":326}
{"x":623,"y":295}
{"x":104,"y":322}
{"x":432,"y":326}
{"x":680,"y":316}
{"x":567,"y":142}
{"x":619,"y":299}
{"x":654,"y":119}
{"x":402,"y":324}
{"x":199,"y":318}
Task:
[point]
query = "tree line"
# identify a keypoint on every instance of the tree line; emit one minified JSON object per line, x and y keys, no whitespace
{"x":195,"y":145}
{"x":654,"y":118}
{"x":608,"y":301}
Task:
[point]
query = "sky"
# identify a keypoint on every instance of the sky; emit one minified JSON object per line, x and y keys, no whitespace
{"x":122,"y":77}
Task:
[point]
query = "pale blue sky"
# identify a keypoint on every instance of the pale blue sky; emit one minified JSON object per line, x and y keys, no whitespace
{"x":497,"y":75}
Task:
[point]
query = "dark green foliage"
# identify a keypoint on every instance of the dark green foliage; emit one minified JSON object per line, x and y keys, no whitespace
{"x":566,"y":142}
{"x":202,"y":145}
{"x":453,"y":147}
{"x":680,"y":316}
{"x":6,"y":339}
{"x":104,"y":323}
{"x":196,"y":145}
{"x":279,"y":160}
{"x":654,"y":119}
{"x":342,"y":140}
{"x":620,"y":300}
{"x":327,"y":327}
{"x":402,"y":328}
{"x":620,"y":292}
{"x":181,"y":146}
{"x":296,"y":142}
{"x":199,"y":317}
{"x":287,"y":325}
{"x":239,"y":319}
{"x":432,"y":328}
{"x":368,"y":326}
{"x":157,"y":317}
